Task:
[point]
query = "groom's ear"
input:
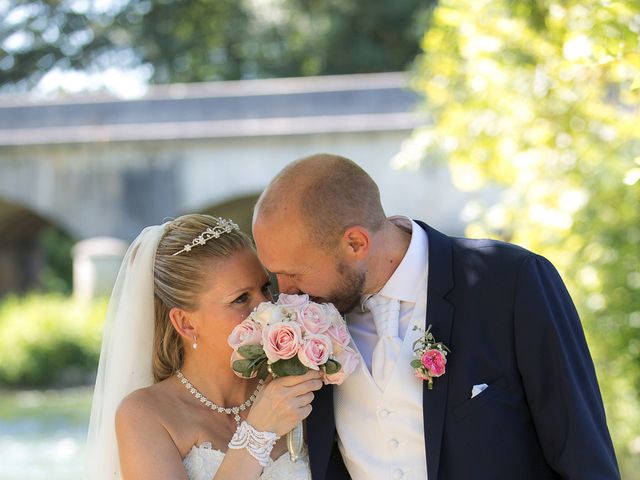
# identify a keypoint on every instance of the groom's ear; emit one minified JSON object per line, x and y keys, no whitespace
{"x":356,"y":240}
{"x":182,"y":323}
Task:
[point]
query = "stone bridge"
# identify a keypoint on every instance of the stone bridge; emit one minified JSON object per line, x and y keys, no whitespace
{"x":97,"y":166}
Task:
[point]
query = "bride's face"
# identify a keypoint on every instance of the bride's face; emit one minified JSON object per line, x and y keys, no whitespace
{"x":233,"y":288}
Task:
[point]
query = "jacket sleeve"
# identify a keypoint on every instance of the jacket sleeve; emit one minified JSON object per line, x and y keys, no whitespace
{"x":559,"y":377}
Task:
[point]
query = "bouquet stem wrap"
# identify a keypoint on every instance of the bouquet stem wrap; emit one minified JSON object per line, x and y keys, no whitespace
{"x":295,"y":440}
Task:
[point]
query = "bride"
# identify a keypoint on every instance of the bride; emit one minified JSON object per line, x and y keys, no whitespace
{"x":166,"y":402}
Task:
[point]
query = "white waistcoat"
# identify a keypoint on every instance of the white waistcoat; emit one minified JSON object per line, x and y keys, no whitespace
{"x":381,"y":433}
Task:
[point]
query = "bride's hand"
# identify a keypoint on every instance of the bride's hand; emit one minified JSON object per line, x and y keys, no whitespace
{"x":284,"y":402}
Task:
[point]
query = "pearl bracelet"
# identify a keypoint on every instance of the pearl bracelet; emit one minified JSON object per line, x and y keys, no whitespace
{"x":258,"y":444}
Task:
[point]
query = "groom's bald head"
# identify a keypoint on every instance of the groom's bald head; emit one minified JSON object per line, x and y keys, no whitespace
{"x":327,"y":193}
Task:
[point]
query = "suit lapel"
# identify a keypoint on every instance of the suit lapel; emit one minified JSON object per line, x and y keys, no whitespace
{"x":440,"y":317}
{"x":321,"y":429}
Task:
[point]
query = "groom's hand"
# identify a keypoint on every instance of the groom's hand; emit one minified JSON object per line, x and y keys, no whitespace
{"x":284,"y":402}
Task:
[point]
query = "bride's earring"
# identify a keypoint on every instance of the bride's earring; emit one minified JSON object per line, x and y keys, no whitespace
{"x":195,"y":342}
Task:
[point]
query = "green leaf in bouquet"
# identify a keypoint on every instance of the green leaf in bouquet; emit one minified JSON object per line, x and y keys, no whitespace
{"x":332,"y":366}
{"x":251,"y":351}
{"x":291,"y":366}
{"x":416,"y":363}
{"x":256,"y":362}
{"x":263,"y":370}
{"x":243,"y":367}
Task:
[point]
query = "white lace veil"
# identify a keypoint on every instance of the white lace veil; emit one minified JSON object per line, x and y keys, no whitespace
{"x":126,"y":355}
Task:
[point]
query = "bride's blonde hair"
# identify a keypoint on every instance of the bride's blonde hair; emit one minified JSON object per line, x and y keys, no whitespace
{"x":179,"y":281}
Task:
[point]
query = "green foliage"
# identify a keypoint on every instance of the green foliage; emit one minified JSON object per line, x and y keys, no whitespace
{"x":243,"y":367}
{"x":320,"y":37}
{"x":57,"y":273}
{"x":38,"y":35}
{"x":49,"y":340}
{"x":539,"y":100}
{"x":332,"y":366}
{"x":291,"y":366}
{"x":204,"y":40}
{"x":187,"y":41}
{"x":253,"y":362}
{"x":252,"y":352}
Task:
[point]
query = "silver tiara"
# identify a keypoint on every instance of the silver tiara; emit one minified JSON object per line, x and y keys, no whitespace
{"x":222,"y":226}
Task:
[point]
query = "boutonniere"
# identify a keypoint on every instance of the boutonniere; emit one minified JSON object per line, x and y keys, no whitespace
{"x":430,"y":357}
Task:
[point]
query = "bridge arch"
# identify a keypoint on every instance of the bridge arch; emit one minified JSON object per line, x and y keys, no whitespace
{"x":239,"y":209}
{"x":35,"y":252}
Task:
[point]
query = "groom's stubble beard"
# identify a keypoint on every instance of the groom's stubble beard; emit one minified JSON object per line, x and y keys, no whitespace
{"x":348,"y":291}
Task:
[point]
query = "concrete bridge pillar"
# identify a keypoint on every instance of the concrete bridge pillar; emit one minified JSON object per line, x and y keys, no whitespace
{"x":96,"y":262}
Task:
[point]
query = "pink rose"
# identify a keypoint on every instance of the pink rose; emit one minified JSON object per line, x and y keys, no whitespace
{"x":339,"y":334}
{"x":349,"y":361}
{"x":434,"y":361}
{"x":245,"y":333}
{"x":294,"y":301}
{"x":314,"y":319}
{"x":315,"y":351}
{"x":281,"y":340}
{"x":267,"y":313}
{"x":335,"y":378}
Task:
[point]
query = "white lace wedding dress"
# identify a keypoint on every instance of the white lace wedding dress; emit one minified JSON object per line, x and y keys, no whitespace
{"x":202,"y":462}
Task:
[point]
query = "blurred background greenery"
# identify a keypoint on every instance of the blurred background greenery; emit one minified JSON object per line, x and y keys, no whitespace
{"x":540,"y":100}
{"x":49,"y":340}
{"x":173,"y":41}
{"x":536,"y":101}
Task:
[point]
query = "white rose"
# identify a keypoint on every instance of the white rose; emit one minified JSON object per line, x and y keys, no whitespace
{"x":267,"y":313}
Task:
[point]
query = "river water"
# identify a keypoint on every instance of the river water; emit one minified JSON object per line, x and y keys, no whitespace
{"x":42,"y":434}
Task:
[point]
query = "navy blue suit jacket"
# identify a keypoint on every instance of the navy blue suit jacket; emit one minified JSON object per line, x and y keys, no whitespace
{"x":510,"y":323}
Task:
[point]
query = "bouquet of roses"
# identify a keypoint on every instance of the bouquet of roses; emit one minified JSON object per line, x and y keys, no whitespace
{"x":291,"y":336}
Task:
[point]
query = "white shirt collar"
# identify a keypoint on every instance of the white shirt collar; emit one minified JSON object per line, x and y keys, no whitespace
{"x":405,"y":283}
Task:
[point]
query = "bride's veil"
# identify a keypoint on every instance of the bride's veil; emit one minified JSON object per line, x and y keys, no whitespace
{"x":126,"y":355}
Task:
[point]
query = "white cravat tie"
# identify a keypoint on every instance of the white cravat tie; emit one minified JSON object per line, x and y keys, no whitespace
{"x":385,"y":312}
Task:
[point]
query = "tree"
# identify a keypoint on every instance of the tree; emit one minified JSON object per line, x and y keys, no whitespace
{"x":319,"y":37}
{"x":38,"y":35}
{"x":188,"y":41}
{"x":204,"y":40}
{"x":540,"y":100}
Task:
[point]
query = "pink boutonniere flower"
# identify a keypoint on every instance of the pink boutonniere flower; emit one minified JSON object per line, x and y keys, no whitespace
{"x":430,"y":357}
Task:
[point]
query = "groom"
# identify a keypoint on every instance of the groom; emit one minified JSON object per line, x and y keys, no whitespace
{"x":519,"y":396}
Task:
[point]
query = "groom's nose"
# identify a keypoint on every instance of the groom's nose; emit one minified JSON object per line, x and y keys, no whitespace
{"x":287,"y":285}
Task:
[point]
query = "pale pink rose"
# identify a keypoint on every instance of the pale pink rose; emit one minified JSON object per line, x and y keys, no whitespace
{"x":434,"y":361}
{"x":314,"y":319}
{"x":349,"y":361}
{"x":267,"y":313}
{"x":245,"y":333}
{"x":339,"y":334}
{"x":293,"y":301}
{"x":236,"y":356}
{"x":335,"y":378}
{"x":420,"y":375}
{"x":281,"y":340}
{"x":315,"y":350}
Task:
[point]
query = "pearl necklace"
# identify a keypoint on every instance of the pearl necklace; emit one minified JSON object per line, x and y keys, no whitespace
{"x":217,"y":408}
